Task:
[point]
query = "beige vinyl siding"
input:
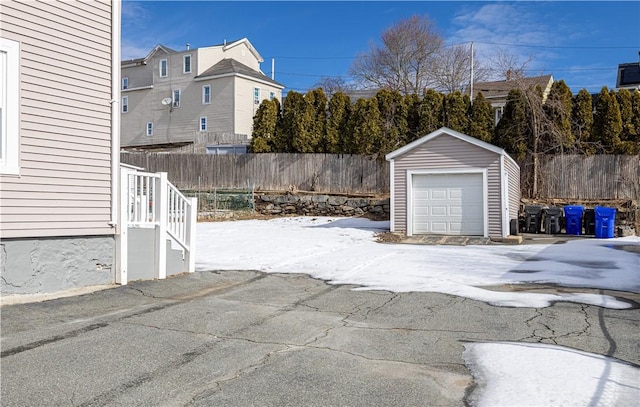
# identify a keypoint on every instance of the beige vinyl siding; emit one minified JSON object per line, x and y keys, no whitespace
{"x":64,"y":186}
{"x":220,"y":113}
{"x":245,"y":107}
{"x":447,"y":152}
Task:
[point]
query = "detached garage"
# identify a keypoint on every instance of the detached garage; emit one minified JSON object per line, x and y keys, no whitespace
{"x":448,"y":183}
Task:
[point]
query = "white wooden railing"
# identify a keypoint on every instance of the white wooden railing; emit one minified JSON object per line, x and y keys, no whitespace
{"x":149,"y":200}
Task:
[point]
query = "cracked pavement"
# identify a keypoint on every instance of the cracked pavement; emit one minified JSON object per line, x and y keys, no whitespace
{"x":248,"y":338}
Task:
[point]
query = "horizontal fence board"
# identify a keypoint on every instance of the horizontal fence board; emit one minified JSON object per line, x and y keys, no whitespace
{"x":326,"y":173}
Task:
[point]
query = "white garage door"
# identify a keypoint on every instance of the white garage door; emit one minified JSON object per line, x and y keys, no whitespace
{"x":448,"y":204}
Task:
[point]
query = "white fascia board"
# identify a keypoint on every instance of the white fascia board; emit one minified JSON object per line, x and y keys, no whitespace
{"x":138,"y":88}
{"x":245,"y":41}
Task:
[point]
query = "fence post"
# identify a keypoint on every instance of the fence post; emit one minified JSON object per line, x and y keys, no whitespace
{"x":122,"y":230}
{"x":191,"y":222}
{"x":162,"y":208}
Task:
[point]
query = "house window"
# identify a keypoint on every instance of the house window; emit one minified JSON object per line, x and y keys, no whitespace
{"x":256,"y":96}
{"x":272,"y":95}
{"x":206,"y":94}
{"x":176,"y":98}
{"x":125,"y":104}
{"x":203,"y":123}
{"x":163,"y":68}
{"x":9,"y":102}
{"x":498,"y":116}
{"x":186,"y":64}
{"x":150,"y":129}
{"x":125,"y":83}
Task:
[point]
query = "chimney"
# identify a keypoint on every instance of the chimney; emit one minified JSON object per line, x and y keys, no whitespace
{"x":188,"y":46}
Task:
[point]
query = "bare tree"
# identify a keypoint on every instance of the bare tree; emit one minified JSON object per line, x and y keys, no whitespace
{"x":507,"y":65}
{"x":331,"y":85}
{"x":404,"y":59}
{"x":451,"y":71}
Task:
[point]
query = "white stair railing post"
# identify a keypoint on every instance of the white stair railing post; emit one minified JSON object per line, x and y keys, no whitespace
{"x":161,"y":205}
{"x":122,"y":229}
{"x":190,"y":221}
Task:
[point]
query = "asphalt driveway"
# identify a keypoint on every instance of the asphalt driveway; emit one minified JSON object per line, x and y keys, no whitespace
{"x":252,"y":339}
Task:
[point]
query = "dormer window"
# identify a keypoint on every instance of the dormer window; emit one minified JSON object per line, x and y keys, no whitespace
{"x":162,"y":68}
{"x":186,"y":64}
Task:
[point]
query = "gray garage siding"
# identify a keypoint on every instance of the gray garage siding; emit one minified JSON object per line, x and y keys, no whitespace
{"x":447,"y":152}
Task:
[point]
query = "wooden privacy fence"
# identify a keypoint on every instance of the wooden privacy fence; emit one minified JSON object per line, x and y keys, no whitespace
{"x":326,"y":173}
{"x":559,"y":177}
{"x":589,"y":177}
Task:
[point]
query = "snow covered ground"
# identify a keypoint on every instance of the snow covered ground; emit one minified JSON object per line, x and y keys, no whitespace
{"x":344,"y":251}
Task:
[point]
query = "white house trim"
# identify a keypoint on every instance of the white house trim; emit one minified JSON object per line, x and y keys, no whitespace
{"x":239,"y":75}
{"x":392,"y":198}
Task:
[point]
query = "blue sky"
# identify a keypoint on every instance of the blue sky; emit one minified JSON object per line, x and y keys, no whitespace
{"x":581,"y":42}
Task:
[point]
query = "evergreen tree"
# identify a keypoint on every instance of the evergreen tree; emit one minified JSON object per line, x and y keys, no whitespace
{"x":413,"y":118}
{"x":607,"y":122}
{"x":393,"y":121}
{"x":285,"y":128}
{"x":481,"y":119}
{"x":337,"y":119}
{"x":512,"y":132}
{"x":456,"y":107}
{"x":431,"y":112}
{"x":582,"y":122}
{"x":628,"y":136}
{"x":635,"y":119}
{"x":558,"y":110}
{"x":300,"y":120}
{"x":364,"y":126}
{"x":317,"y":131}
{"x":264,"y":127}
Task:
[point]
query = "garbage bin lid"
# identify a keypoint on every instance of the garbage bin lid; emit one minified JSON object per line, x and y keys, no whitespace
{"x":573,"y":209}
{"x":604,"y":211}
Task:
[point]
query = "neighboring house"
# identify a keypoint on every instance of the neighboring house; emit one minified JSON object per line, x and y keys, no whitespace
{"x":179,"y":97}
{"x":60,"y":151}
{"x":448,"y":183}
{"x":496,"y":92}
{"x":628,"y":76}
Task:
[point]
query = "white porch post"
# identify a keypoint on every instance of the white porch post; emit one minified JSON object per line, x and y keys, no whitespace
{"x":162,"y":207}
{"x":190,"y":221}
{"x":122,"y":229}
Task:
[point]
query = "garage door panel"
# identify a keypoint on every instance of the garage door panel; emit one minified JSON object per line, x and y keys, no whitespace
{"x":449,"y":204}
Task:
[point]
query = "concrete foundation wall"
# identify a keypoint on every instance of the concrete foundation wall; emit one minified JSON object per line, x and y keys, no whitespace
{"x":31,"y":266}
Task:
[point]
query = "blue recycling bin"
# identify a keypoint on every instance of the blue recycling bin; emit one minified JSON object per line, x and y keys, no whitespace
{"x":605,"y":221}
{"x":573,"y":219}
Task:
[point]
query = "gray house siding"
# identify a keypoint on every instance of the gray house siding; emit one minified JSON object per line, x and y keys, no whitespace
{"x":513,"y":188}
{"x":446,"y":152}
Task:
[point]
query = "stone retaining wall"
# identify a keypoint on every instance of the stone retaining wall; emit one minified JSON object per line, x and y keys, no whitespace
{"x":320,"y":205}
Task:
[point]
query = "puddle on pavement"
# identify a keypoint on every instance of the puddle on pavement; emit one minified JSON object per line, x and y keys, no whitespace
{"x":631,"y":248}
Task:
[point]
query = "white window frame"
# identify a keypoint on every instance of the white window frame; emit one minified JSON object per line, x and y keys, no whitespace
{"x":125,"y":104}
{"x":256,"y":96}
{"x":184,"y":63}
{"x":9,"y":106}
{"x":175,"y":101}
{"x":125,"y":83}
{"x":206,"y":97}
{"x":203,"y":123}
{"x":149,"y":129}
{"x":272,"y":95}
{"x":163,"y":68}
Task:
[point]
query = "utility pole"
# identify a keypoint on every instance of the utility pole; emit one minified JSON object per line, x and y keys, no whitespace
{"x":471,"y":84}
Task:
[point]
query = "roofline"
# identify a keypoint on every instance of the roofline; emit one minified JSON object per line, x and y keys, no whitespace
{"x":445,"y":130}
{"x":249,"y":45}
{"x":229,"y":74}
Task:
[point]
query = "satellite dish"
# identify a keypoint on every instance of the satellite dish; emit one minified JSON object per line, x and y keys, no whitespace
{"x":166,"y":101}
